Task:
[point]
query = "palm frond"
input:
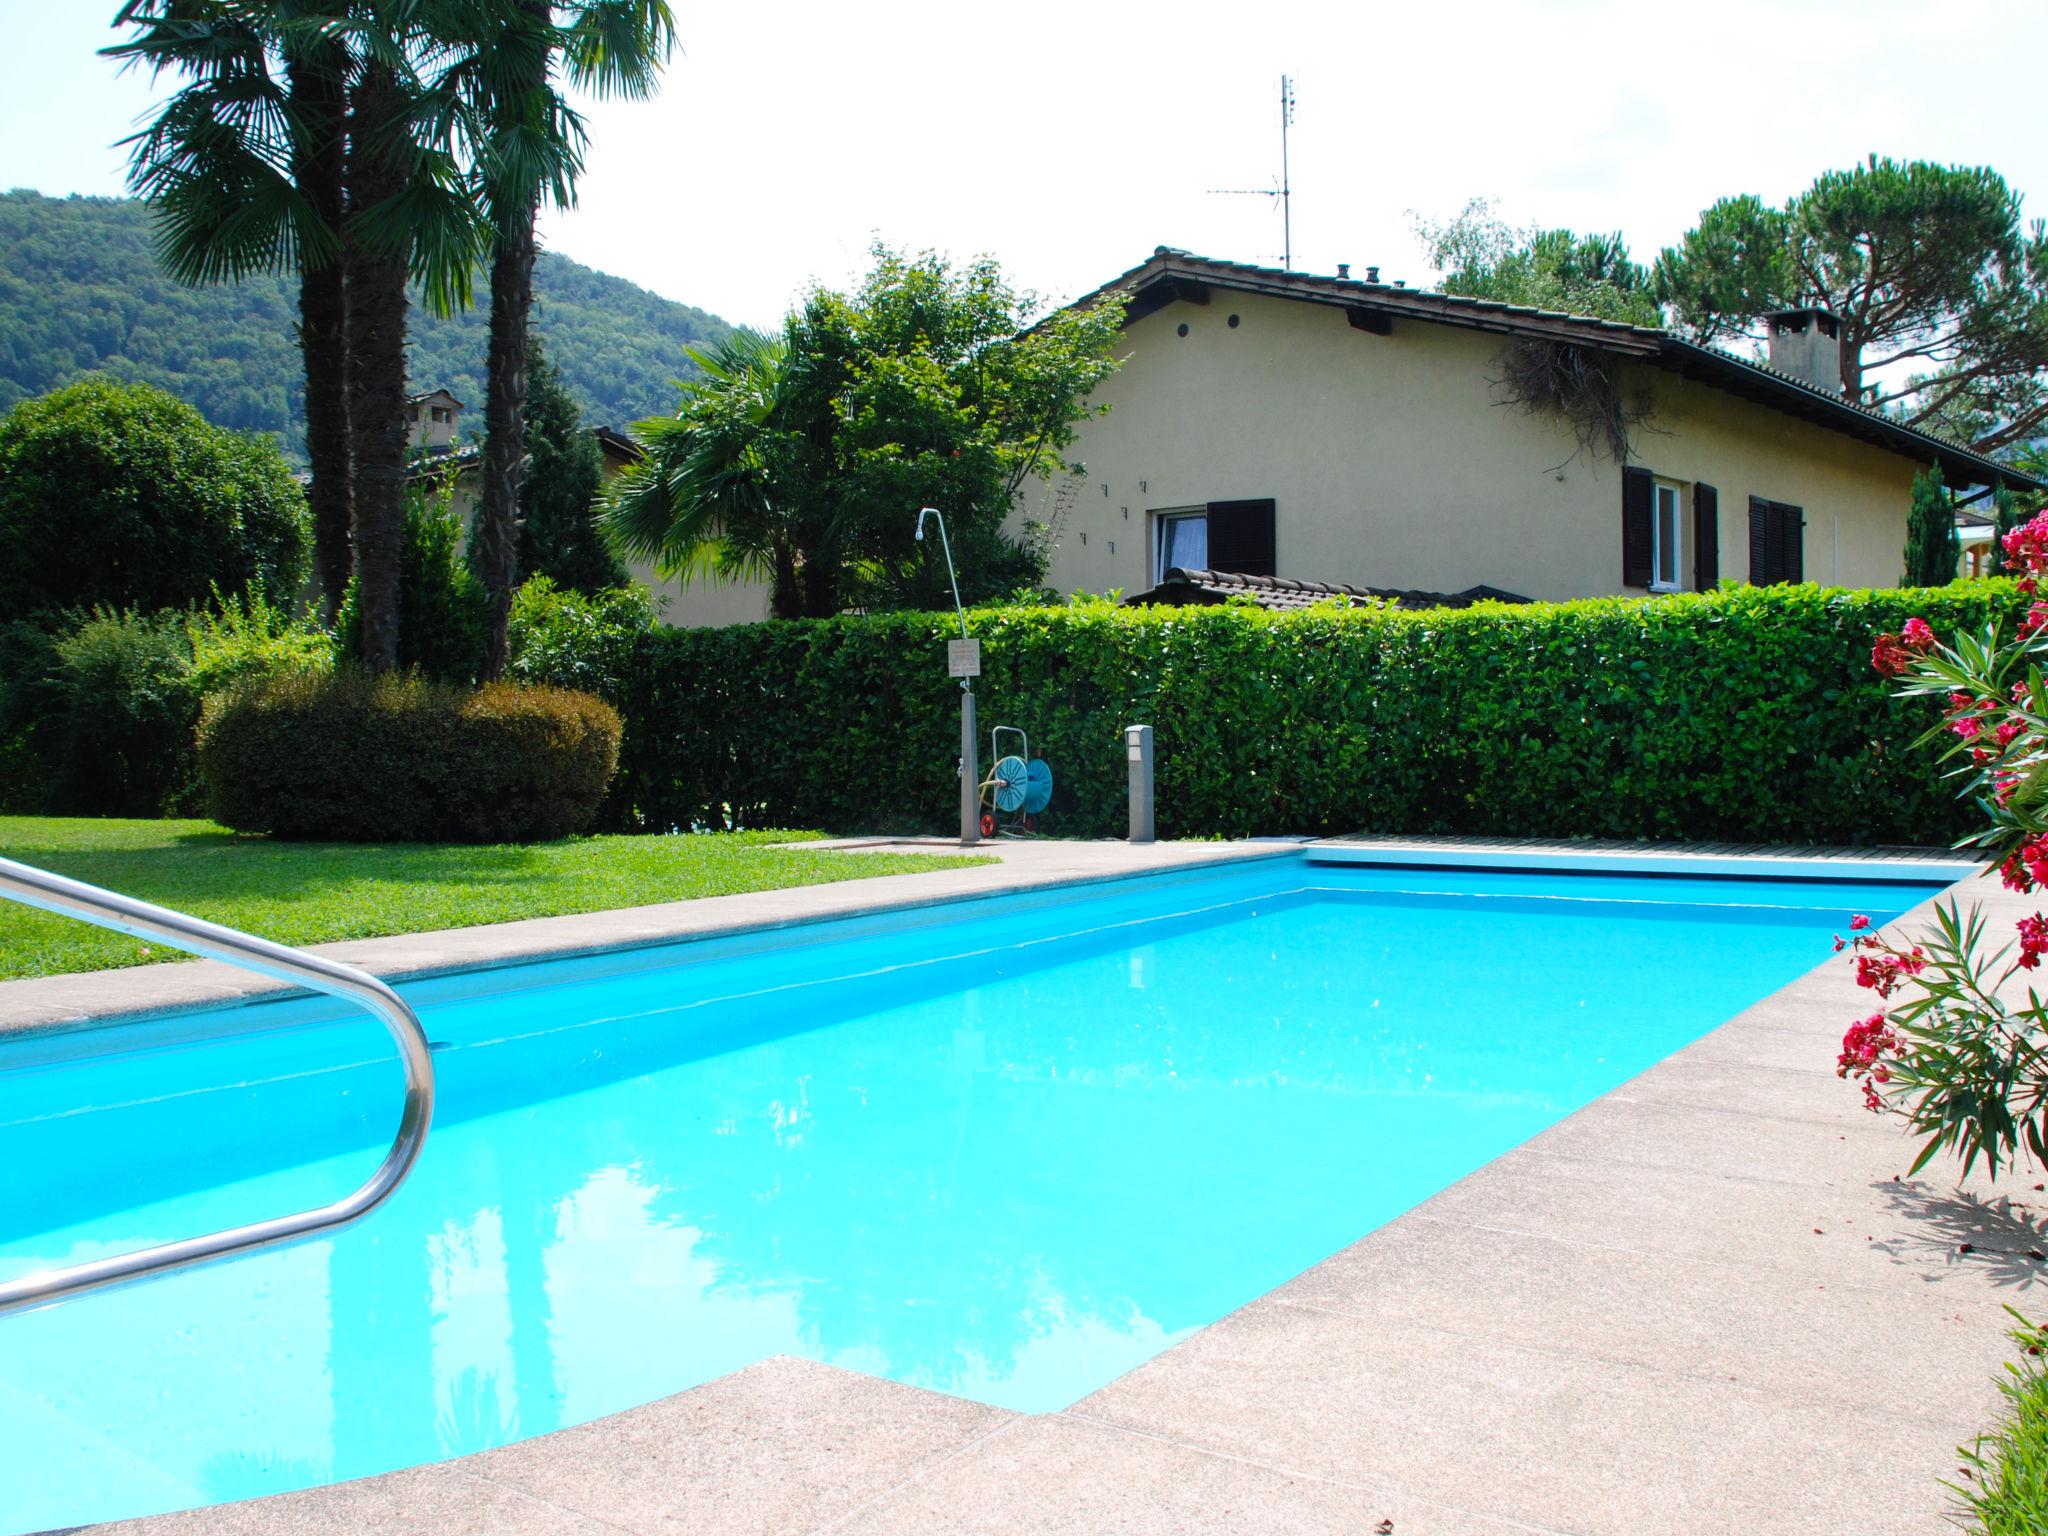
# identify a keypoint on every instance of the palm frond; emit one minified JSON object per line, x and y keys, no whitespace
{"x":617,"y":47}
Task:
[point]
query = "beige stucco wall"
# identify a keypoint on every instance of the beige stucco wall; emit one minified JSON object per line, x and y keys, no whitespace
{"x":705,"y":604}
{"x":1391,"y":464}
{"x":1855,"y":496}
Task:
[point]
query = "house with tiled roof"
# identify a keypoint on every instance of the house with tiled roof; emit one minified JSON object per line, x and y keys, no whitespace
{"x":1311,"y":431}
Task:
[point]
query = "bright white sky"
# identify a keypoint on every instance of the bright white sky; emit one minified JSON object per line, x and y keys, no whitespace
{"x":1070,"y":139}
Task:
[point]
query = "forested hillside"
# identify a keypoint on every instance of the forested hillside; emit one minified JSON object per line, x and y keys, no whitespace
{"x":80,"y":291}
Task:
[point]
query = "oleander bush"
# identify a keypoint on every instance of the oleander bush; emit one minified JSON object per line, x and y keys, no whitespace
{"x":1748,"y":713}
{"x":351,"y":756}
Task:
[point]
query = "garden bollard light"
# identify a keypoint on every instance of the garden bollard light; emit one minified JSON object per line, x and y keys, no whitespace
{"x":1138,"y":751}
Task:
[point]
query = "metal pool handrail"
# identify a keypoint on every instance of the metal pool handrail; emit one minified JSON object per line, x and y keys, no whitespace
{"x":108,"y":909}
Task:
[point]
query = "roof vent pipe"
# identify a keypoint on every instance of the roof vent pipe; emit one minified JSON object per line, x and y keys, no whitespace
{"x":1343,"y":271}
{"x":1372,"y":274}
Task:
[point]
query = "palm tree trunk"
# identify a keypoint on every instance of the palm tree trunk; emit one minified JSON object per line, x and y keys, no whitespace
{"x":320,"y":95}
{"x":376,"y":300}
{"x":498,"y":521}
{"x":504,"y":463}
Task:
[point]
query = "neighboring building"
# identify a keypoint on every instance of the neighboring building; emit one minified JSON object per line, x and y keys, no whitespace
{"x":1352,"y":434}
{"x":436,"y":421}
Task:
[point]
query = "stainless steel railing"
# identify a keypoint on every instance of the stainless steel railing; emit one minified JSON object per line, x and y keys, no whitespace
{"x":108,"y":909}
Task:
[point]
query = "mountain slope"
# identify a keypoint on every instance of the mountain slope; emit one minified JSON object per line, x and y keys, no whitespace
{"x":80,"y":290}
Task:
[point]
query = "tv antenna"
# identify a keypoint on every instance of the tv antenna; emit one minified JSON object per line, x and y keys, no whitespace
{"x":1284,"y":192}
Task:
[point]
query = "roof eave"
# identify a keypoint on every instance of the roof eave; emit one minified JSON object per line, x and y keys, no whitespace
{"x":1963,"y":466}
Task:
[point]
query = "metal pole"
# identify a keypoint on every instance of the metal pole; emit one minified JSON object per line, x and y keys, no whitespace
{"x":1138,"y":752}
{"x":1286,"y":187}
{"x":970,"y":774}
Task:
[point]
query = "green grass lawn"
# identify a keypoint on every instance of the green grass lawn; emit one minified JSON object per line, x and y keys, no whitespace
{"x":309,"y":893}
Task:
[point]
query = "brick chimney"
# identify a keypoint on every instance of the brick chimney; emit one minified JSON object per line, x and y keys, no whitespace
{"x":1807,"y":343}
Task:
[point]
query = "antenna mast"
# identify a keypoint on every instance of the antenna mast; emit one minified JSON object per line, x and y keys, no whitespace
{"x":1283,"y":193}
{"x":1286,"y":191}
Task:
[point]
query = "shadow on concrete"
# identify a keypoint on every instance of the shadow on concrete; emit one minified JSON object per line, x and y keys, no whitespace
{"x":2000,"y":1237}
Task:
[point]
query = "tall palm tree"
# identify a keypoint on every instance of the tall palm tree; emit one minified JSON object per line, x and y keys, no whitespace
{"x":527,"y":148}
{"x":306,"y":139}
{"x":245,"y":173}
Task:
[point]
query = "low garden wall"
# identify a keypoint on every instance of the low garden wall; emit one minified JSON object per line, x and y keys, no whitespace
{"x":1750,"y":714}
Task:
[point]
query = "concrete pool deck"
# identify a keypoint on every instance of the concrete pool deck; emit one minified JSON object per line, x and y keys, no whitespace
{"x":1705,"y":1302}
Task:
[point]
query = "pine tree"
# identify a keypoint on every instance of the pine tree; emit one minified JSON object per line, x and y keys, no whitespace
{"x":565,"y":470}
{"x":1932,"y":547}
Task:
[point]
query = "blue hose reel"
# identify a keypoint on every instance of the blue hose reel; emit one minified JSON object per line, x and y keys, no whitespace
{"x":1018,"y":787}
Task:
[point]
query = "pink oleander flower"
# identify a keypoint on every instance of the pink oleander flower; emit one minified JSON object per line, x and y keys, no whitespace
{"x":1917,"y":635}
{"x":1858,"y":923}
{"x":1888,"y":657}
{"x":2033,"y":941}
{"x":1864,"y":1047}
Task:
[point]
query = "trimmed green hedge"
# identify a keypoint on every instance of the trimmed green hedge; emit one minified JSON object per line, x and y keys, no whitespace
{"x":1750,"y":713}
{"x":356,"y":757}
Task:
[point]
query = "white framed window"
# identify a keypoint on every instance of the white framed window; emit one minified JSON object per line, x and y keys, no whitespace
{"x":1667,"y":536}
{"x":1180,"y":541}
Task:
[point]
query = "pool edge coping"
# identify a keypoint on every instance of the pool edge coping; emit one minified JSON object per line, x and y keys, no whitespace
{"x":39,"y":1006}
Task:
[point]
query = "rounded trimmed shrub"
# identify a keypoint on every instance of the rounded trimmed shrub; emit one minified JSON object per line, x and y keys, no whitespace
{"x":122,"y":496}
{"x":358,"y":757}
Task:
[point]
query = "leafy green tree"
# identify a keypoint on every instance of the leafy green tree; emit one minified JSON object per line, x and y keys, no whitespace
{"x":558,"y":536}
{"x":119,"y":496}
{"x":1933,"y":546}
{"x":527,"y":145}
{"x":803,"y":459}
{"x":1942,"y":296}
{"x":1482,"y":257}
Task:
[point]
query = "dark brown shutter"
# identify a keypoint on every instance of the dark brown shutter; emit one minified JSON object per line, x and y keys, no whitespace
{"x":1791,"y":542}
{"x":1763,"y":547}
{"x":1635,"y":527}
{"x":1241,"y":537}
{"x":1706,"y":538}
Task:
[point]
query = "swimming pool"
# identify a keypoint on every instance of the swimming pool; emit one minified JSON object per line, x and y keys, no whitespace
{"x":1006,"y":1149}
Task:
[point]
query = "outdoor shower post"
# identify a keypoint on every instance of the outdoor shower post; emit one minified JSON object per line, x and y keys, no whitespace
{"x":963,"y":660}
{"x":1138,"y":752}
{"x":970,"y":774}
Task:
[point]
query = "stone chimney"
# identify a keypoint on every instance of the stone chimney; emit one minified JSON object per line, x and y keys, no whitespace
{"x":1807,"y":343}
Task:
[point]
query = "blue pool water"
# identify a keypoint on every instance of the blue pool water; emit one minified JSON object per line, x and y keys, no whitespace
{"x":1005,"y":1149}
